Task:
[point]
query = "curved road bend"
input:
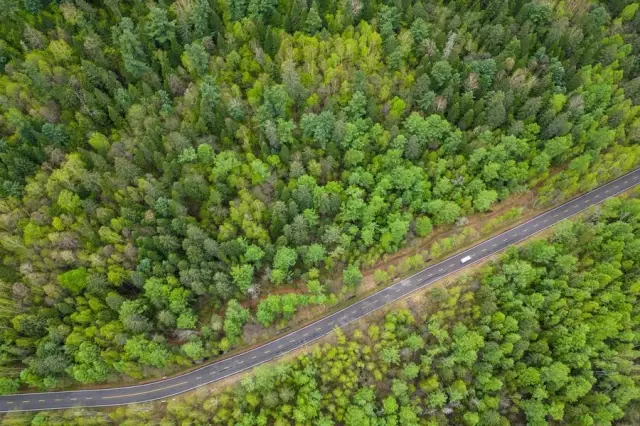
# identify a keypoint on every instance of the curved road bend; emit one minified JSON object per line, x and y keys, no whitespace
{"x":251,"y":358}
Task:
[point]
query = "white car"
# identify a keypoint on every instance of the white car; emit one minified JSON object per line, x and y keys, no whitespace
{"x":465,"y":259}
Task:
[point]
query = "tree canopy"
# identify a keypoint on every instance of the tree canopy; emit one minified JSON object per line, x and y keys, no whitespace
{"x":175,"y":177}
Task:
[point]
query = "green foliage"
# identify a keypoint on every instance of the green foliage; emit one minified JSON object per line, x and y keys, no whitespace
{"x":443,"y":212}
{"x":423,"y":226}
{"x":380,"y":276}
{"x":484,"y":200}
{"x":99,"y":142}
{"x":242,"y":277}
{"x":285,"y":258}
{"x":314,"y":254}
{"x":551,"y":350}
{"x":286,"y":305}
{"x":194,"y":350}
{"x":146,"y":352}
{"x":441,"y":72}
{"x":74,"y":280}
{"x":159,"y":159}
{"x":313,"y":23}
{"x":195,"y":58}
{"x":351,"y":276}
{"x":8,"y":385}
{"x":90,"y":368}
{"x":235,"y":318}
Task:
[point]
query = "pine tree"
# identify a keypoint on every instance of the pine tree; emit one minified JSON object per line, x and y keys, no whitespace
{"x":313,"y":23}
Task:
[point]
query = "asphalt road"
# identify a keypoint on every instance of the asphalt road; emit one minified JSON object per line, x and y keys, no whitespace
{"x":213,"y":372}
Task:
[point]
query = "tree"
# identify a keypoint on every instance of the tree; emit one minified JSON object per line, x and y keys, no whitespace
{"x":314,"y":255}
{"x":261,"y":9}
{"x":443,"y":212}
{"x":209,"y":99}
{"x":284,"y":259}
{"x":496,"y":113}
{"x":253,"y":254}
{"x":351,"y":276}
{"x":158,"y":26}
{"x":132,"y":316}
{"x":186,"y":320}
{"x":390,"y":355}
{"x":238,"y":9}
{"x":194,"y":350}
{"x":158,"y":159}
{"x":8,"y":385}
{"x":380,"y":276}
{"x":196,"y":59}
{"x":90,"y":368}
{"x":268,"y":309}
{"x":313,"y":23}
{"x":471,"y":418}
{"x":484,"y":200}
{"x":457,"y":391}
{"x":390,"y":405}
{"x":423,"y":226}
{"x":242,"y":277}
{"x":235,"y":318}
{"x":410,"y":371}
{"x":356,"y":416}
{"x":99,"y":142}
{"x":146,"y":351}
{"x":74,"y":280}
{"x":130,"y":47}
{"x":441,"y":72}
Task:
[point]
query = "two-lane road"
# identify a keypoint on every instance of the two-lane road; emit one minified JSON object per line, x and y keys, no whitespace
{"x":251,"y":358}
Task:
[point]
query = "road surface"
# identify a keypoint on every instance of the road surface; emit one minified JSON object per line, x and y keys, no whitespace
{"x":219,"y":370}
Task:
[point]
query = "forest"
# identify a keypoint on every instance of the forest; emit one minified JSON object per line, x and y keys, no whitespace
{"x":173,"y":172}
{"x":546,"y":334}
